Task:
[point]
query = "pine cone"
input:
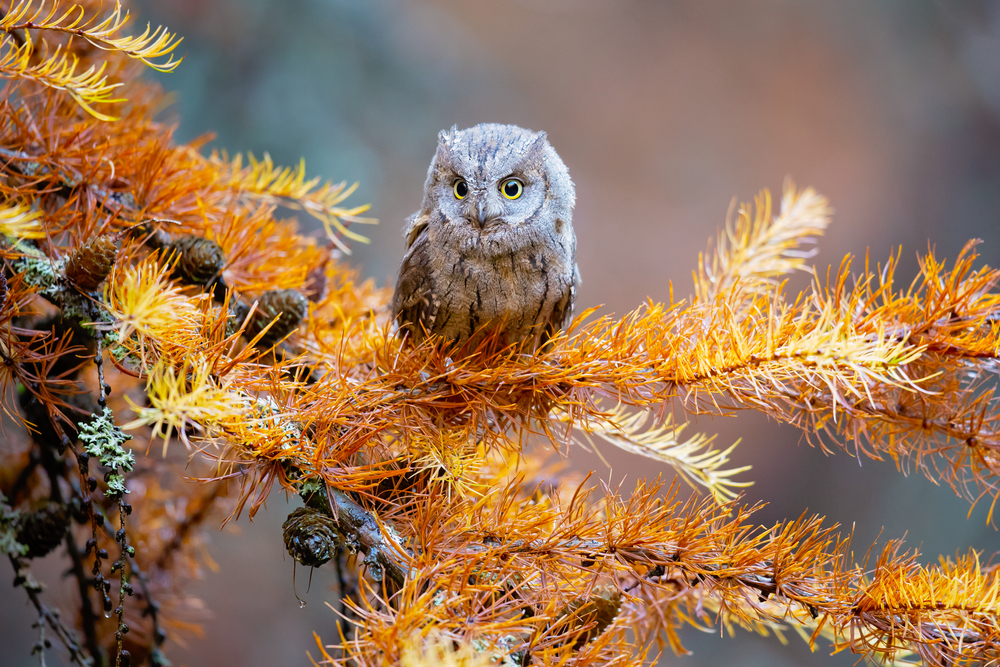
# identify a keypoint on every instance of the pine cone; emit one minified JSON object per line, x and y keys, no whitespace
{"x":311,"y":536}
{"x":92,"y":262}
{"x":287,"y":305}
{"x":42,"y":531}
{"x":600,"y":608}
{"x":199,"y":260}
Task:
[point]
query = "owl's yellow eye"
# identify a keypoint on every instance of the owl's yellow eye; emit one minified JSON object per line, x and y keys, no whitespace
{"x":512,"y":188}
{"x":461,"y":189}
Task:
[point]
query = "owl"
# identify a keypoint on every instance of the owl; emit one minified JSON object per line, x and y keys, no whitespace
{"x":492,"y":246}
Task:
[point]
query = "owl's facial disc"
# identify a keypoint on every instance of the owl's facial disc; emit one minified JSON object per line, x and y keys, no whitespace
{"x":489,"y":179}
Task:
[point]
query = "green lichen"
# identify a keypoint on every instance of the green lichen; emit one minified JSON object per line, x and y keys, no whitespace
{"x":119,"y":352}
{"x":81,"y":307}
{"x":312,"y":486}
{"x":73,"y":304}
{"x":38,"y":270}
{"x":110,"y":336}
{"x":9,"y":521}
{"x":102,"y":438}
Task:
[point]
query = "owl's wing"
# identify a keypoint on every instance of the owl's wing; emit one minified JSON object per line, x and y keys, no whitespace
{"x":562,"y":311}
{"x":415,"y":224}
{"x":412,"y":303}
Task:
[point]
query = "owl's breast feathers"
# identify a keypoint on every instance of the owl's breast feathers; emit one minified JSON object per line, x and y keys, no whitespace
{"x":529,"y":290}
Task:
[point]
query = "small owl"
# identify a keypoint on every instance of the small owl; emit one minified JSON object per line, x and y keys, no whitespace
{"x":492,"y":244}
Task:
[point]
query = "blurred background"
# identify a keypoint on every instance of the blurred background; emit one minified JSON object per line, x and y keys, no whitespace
{"x":664,"y":112}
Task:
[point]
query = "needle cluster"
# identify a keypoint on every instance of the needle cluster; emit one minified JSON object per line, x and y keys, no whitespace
{"x":152,"y":288}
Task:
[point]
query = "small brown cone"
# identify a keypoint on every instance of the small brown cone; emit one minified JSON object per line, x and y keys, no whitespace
{"x":601,"y":608}
{"x":42,"y":531}
{"x":311,"y":536}
{"x":199,"y":260}
{"x":286,"y":307}
{"x":91,"y":263}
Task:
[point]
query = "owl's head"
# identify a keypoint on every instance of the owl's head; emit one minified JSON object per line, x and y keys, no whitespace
{"x":490,"y":179}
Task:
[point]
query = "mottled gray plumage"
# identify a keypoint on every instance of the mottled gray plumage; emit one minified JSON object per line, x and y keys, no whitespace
{"x":486,"y":258}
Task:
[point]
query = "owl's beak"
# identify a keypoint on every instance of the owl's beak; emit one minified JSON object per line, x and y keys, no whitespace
{"x":481,"y":211}
{"x":484,"y":216}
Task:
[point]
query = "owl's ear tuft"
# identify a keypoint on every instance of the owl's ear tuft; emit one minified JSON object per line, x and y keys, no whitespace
{"x":446,"y":139}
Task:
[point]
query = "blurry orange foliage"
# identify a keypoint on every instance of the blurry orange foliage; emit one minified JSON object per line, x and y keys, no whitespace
{"x":468,"y":548}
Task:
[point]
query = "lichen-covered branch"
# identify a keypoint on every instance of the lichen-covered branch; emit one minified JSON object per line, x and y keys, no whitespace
{"x":257,"y":355}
